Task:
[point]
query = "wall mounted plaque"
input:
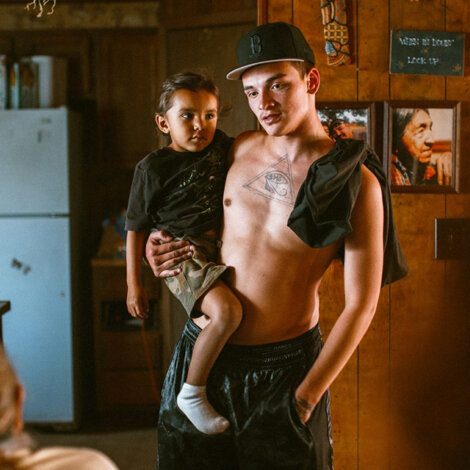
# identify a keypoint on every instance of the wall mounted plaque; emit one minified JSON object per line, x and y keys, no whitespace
{"x":427,"y":52}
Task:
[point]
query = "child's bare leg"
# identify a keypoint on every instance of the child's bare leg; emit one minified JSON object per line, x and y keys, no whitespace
{"x":225,"y":313}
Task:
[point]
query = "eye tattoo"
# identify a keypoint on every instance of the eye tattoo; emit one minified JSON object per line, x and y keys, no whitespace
{"x":274,"y":183}
{"x":277,"y":182}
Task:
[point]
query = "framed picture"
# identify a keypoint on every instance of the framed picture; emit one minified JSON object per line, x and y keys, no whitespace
{"x":422,"y":145}
{"x":348,"y":120}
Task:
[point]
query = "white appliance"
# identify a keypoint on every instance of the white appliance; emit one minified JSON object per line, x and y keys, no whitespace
{"x":40,"y":256}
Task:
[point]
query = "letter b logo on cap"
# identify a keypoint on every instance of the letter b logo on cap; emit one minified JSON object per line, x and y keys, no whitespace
{"x":255,"y":45}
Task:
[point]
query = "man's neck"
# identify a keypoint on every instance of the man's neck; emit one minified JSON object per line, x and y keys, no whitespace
{"x":309,"y":139}
{"x":299,"y":148}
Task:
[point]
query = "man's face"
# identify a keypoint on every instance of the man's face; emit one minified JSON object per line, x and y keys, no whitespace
{"x":278,"y":97}
{"x":417,"y":138}
{"x":343,"y":131}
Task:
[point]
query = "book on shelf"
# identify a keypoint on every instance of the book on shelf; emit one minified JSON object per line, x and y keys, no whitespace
{"x":4,"y":91}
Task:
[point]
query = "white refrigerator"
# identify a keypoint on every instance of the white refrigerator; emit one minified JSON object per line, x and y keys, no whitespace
{"x":40,"y":250}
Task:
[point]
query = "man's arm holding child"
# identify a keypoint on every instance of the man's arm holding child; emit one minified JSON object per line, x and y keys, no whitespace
{"x":164,"y":255}
{"x":363,"y":263}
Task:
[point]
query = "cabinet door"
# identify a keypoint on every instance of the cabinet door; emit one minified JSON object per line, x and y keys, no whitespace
{"x":126,"y":91}
{"x":75,"y":48}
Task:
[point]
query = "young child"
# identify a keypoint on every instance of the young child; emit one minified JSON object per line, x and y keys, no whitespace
{"x":179,"y":188}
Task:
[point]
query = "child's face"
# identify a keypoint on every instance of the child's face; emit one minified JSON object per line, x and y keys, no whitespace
{"x":191,"y":121}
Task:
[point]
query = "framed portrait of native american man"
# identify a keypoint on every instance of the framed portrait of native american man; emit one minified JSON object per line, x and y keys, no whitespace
{"x":343,"y":120}
{"x":422,"y":146}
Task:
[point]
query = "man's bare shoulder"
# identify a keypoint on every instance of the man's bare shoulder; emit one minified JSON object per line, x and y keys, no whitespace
{"x":368,"y":210}
{"x":370,"y":185}
{"x":248,"y":141}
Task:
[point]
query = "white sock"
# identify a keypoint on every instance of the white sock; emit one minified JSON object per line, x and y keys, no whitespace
{"x":192,"y":401}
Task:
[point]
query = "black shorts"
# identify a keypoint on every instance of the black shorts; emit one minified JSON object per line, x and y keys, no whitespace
{"x":253,"y":387}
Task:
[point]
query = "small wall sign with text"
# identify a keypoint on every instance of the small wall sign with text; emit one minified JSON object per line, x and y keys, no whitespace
{"x":427,"y":52}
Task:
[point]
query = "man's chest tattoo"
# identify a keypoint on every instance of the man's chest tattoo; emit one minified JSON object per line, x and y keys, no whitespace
{"x":275,"y":182}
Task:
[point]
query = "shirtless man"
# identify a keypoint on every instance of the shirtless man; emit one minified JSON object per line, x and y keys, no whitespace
{"x":271,"y":381}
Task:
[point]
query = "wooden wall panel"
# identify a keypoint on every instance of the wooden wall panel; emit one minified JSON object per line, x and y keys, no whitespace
{"x":193,"y":8}
{"x":417,"y":311}
{"x":126,"y":97}
{"x":6,"y":45}
{"x":374,"y":360}
{"x":280,"y":10}
{"x":231,"y":5}
{"x":372,"y":57}
{"x":448,"y":398}
{"x":417,"y":307}
{"x":458,"y":89}
{"x":454,"y":434}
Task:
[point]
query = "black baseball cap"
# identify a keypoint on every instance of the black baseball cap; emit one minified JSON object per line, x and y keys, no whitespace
{"x":271,"y":42}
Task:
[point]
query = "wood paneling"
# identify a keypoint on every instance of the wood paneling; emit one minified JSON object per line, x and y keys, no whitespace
{"x":6,"y":45}
{"x":418,"y":303}
{"x":417,"y":312}
{"x":126,"y":93}
{"x":456,"y":328}
{"x":191,"y":8}
{"x":374,"y":370}
{"x":400,"y":402}
{"x":280,"y":10}
{"x":372,"y":46}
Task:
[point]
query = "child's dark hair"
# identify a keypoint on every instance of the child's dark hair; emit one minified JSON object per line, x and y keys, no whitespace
{"x":183,"y":81}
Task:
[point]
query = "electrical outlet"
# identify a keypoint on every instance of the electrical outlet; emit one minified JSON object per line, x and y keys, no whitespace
{"x":451,"y":238}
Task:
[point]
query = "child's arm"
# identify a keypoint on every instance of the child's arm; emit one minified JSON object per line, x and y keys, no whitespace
{"x":137,"y":301}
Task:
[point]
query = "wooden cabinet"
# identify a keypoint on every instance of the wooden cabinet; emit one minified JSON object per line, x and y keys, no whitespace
{"x":122,"y":348}
{"x":6,"y":45}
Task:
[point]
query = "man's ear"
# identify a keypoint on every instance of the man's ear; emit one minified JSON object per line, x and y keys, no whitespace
{"x":162,"y":123}
{"x":313,"y":80}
